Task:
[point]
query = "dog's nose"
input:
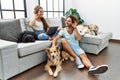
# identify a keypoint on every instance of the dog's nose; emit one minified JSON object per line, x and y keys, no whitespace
{"x":53,"y":57}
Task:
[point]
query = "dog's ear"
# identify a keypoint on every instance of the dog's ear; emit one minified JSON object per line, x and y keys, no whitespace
{"x":58,"y":47}
{"x":47,"y":50}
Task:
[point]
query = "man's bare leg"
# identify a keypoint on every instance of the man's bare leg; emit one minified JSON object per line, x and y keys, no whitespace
{"x":93,"y":69}
{"x":67,"y":48}
{"x":85,"y":60}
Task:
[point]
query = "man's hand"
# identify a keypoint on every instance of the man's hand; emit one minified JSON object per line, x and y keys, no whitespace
{"x":53,"y":46}
{"x":74,"y":25}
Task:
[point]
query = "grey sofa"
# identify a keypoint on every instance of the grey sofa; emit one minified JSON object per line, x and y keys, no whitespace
{"x":95,"y":44}
{"x":18,"y":57}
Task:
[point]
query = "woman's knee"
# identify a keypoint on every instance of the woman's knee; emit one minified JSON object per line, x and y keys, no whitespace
{"x":43,"y":36}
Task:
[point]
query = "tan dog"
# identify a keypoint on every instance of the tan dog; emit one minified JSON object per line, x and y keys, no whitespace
{"x":94,"y":29}
{"x":88,"y":29}
{"x":55,"y":58}
{"x":66,"y":56}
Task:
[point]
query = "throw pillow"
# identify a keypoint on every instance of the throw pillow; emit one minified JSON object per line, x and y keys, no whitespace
{"x":26,"y":21}
{"x":10,"y":29}
{"x":63,"y":22}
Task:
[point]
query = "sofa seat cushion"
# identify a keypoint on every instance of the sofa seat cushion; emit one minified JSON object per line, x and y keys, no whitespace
{"x":101,"y":38}
{"x":30,"y":48}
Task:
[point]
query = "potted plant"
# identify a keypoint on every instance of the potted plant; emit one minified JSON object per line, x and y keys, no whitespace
{"x":74,"y":12}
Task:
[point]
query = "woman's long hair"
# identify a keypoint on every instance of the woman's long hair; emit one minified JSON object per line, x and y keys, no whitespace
{"x":45,"y":24}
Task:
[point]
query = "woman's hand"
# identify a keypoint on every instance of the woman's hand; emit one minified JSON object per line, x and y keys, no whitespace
{"x":36,"y":16}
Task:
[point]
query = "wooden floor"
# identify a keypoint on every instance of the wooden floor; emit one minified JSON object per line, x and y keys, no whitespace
{"x":109,"y":56}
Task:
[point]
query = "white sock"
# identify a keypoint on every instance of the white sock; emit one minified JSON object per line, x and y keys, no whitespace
{"x":91,"y":67}
{"x":78,"y":61}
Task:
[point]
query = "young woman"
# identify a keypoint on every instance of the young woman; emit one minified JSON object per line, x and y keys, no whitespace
{"x":39,"y":24}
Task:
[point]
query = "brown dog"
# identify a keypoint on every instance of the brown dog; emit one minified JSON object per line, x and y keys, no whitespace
{"x":55,"y":58}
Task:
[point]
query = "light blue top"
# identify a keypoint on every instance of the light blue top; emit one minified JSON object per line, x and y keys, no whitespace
{"x":69,"y":37}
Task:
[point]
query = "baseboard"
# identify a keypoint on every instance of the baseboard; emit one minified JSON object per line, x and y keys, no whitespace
{"x":115,"y":40}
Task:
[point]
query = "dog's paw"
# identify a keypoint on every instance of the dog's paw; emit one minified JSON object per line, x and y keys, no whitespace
{"x":55,"y":74}
{"x":72,"y":59}
{"x":50,"y":73}
{"x":66,"y":58}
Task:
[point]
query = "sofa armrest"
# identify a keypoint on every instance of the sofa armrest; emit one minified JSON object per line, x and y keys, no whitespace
{"x":7,"y":44}
{"x":99,"y":39}
{"x":8,"y":59}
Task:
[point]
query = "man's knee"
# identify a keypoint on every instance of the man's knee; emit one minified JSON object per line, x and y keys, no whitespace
{"x":63,"y":41}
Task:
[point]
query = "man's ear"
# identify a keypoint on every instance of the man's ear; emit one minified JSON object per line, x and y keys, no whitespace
{"x":47,"y":50}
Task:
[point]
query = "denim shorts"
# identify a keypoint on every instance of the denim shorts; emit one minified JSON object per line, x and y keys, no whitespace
{"x":44,"y":36}
{"x":77,"y":49}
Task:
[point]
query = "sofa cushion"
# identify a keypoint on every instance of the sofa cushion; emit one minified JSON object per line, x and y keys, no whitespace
{"x":99,"y":39}
{"x":10,"y":29}
{"x":22,"y":23}
{"x":63,"y":22}
{"x":30,"y":48}
{"x":26,"y":22}
{"x":54,"y":21}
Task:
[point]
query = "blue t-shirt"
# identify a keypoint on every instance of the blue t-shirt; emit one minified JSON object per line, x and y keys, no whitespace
{"x":69,"y":37}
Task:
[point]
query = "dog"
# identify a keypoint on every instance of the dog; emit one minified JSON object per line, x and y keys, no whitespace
{"x":94,"y":29}
{"x":55,"y":58}
{"x":88,"y":29}
{"x":27,"y":36}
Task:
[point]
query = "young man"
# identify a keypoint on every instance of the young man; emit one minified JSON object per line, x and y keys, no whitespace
{"x":70,"y":44}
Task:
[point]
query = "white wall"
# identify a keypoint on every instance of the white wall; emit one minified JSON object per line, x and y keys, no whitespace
{"x":104,"y":13}
{"x":68,"y":4}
